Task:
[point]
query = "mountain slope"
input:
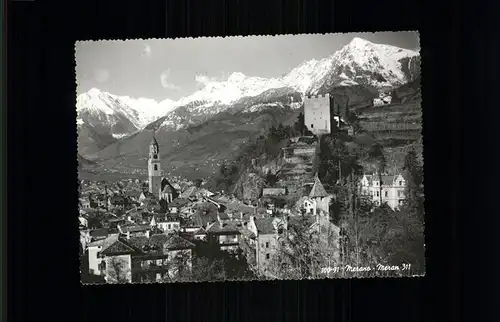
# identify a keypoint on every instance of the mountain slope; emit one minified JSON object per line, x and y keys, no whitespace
{"x":374,"y":66}
{"x":199,"y":150}
{"x":118,"y":116}
{"x":90,"y":141}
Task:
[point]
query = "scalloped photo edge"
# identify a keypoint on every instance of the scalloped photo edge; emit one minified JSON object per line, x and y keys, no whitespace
{"x":250,"y":158}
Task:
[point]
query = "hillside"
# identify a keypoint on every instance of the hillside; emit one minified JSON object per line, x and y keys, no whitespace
{"x":198,"y":151}
{"x":90,"y":141}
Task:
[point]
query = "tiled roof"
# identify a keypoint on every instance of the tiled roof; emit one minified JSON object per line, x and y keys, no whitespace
{"x":165,"y":183}
{"x":230,"y":227}
{"x":301,"y":221}
{"x":388,"y":180}
{"x":188,"y":192}
{"x":168,"y":189}
{"x":114,"y":246}
{"x":177,"y":242}
{"x":223,"y":216}
{"x":159,"y":244}
{"x":200,"y":231}
{"x":99,"y":242}
{"x":100,"y":232}
{"x":135,"y":228}
{"x":238,"y":206}
{"x":247,"y":233}
{"x":179,"y":202}
{"x":317,"y":190}
{"x":264,"y":225}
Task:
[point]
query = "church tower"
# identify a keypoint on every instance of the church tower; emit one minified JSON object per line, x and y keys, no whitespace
{"x":154,"y":169}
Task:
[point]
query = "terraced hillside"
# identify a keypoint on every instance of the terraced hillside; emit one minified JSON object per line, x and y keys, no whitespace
{"x":298,"y":174}
{"x":397,"y":127}
{"x":393,"y":125}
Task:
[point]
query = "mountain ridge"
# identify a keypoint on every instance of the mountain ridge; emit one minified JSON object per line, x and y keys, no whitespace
{"x":378,"y":64}
{"x":353,"y":75}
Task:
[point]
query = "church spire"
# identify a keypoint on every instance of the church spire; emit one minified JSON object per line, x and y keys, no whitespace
{"x":154,"y":142}
{"x":317,"y":191}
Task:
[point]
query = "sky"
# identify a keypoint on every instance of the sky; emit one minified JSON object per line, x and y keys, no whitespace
{"x":173,"y":68}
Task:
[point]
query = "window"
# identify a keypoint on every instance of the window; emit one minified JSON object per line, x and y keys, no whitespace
{"x":158,"y":276}
{"x":169,"y":226}
{"x":102,"y":266}
{"x":267,"y":244}
{"x":158,"y":262}
{"x":312,"y":126}
{"x":378,"y":194}
{"x":386,"y":194}
{"x":267,"y":256}
{"x":400,"y":193}
{"x":400,"y":183}
{"x":156,"y":167}
{"x":155,"y":156}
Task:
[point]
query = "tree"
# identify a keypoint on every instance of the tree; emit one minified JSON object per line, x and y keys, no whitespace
{"x":227,"y":176}
{"x":335,"y":160}
{"x":117,"y":270}
{"x":271,"y":179}
{"x":376,"y":151}
{"x":413,"y":175}
{"x":214,"y":265}
{"x":304,"y":253}
{"x":299,"y":125}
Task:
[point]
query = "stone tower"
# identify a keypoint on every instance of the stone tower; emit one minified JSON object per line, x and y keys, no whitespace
{"x":317,"y":116}
{"x":154,"y":168}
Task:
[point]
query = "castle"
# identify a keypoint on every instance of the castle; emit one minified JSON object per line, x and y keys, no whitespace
{"x":319,"y":114}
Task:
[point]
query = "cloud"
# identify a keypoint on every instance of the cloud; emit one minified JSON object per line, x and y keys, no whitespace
{"x":165,"y":82}
{"x":203,"y":79}
{"x":101,"y":75}
{"x":146,"y":52}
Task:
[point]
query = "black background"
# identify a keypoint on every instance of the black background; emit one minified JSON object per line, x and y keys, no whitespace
{"x":458,"y":51}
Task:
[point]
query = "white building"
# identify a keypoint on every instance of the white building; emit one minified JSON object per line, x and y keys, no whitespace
{"x":384,"y":189}
{"x":383,"y":99}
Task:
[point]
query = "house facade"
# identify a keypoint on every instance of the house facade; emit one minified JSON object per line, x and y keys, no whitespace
{"x":384,"y":189}
{"x":263,"y":240}
{"x":142,"y":259}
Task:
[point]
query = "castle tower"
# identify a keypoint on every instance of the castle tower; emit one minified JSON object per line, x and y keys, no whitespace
{"x":154,"y":169}
{"x":317,"y":116}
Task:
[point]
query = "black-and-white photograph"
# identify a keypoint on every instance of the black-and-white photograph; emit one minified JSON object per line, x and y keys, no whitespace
{"x":250,"y":158}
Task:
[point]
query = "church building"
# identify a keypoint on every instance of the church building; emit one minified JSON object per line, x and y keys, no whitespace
{"x":158,"y":186}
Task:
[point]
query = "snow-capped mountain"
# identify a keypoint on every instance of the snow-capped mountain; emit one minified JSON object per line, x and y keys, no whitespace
{"x":365,"y":63}
{"x":359,"y":63}
{"x":118,"y":115}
